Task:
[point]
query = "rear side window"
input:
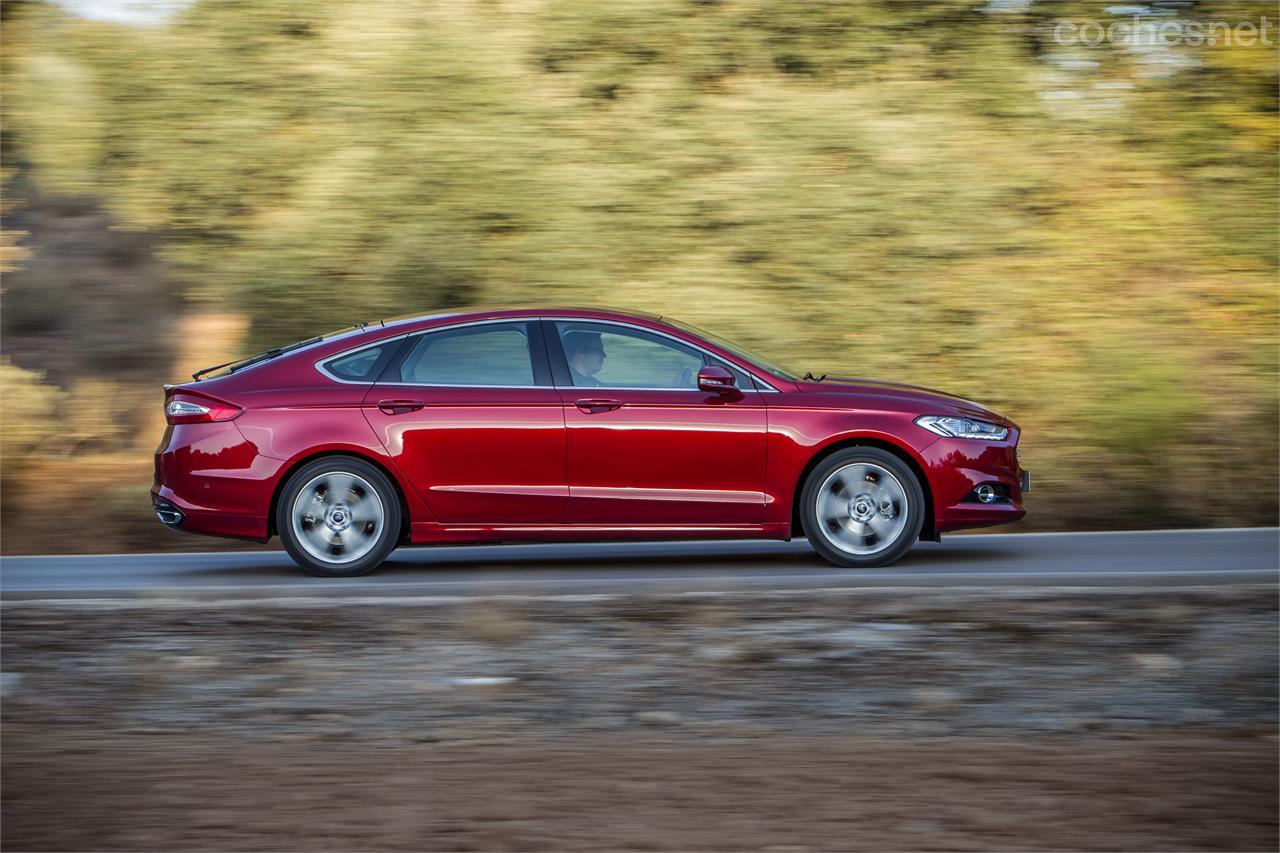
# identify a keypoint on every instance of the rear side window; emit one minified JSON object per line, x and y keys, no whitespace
{"x":358,"y":366}
{"x":495,"y":354}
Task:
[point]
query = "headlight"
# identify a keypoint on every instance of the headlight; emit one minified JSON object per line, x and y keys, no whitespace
{"x":957,"y":427}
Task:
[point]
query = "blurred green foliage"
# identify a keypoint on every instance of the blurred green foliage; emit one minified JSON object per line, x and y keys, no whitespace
{"x":933,"y":192}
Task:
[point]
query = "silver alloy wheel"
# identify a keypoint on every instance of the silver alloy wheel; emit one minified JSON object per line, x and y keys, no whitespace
{"x":861,"y":508}
{"x":337,"y":517}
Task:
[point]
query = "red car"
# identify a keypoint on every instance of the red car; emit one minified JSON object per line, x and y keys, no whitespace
{"x":550,"y":424}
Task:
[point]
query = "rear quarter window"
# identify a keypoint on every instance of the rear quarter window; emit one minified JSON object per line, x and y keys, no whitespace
{"x":359,"y":366}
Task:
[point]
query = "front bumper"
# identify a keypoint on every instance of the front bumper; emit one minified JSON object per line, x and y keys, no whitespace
{"x":957,"y":467}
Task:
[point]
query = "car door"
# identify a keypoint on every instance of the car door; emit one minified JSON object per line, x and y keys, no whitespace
{"x":645,"y":446}
{"x":470,"y":416}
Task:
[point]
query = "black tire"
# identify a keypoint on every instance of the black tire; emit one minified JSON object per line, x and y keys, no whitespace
{"x":911,"y":509}
{"x":379,"y":538}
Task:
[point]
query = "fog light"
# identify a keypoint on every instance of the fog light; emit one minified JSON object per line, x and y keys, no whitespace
{"x":986,"y":494}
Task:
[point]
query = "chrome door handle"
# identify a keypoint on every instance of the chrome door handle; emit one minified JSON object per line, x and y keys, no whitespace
{"x":400,"y":407}
{"x":594,"y":406}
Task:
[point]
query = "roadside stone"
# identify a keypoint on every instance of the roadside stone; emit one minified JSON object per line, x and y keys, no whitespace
{"x":935,"y":698}
{"x":10,"y":683}
{"x":483,"y":681}
{"x":193,"y":662}
{"x":1158,"y":663}
{"x":739,"y":730}
{"x":1201,"y":715}
{"x":718,"y":653}
{"x":658,"y":718}
{"x":870,"y":635}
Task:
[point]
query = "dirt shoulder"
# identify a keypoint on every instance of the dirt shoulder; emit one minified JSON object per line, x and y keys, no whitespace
{"x":867,"y":720}
{"x":1163,"y":792}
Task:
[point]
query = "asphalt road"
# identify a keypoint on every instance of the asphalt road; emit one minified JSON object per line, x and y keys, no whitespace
{"x":1131,"y":559}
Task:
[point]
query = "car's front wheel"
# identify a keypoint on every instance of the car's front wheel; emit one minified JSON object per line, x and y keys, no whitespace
{"x":862,"y":507}
{"x":338,"y":517}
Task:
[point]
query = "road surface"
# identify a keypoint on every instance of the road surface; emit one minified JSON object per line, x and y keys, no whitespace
{"x":1128,"y":559}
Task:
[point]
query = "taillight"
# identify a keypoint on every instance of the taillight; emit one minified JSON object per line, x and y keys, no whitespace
{"x":198,"y":410}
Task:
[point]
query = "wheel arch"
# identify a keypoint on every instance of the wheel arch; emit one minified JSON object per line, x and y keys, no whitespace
{"x":297,"y":465}
{"x":928,"y":531}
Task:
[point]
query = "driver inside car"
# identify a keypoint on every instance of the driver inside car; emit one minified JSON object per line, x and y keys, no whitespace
{"x":586,"y":355}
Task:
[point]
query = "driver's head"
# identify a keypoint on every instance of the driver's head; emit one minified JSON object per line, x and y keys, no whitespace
{"x":585,"y":351}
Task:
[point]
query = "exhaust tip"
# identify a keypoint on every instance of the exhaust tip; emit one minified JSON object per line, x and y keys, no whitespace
{"x":168,"y":514}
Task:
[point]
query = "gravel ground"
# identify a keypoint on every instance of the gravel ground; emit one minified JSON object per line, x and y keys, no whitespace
{"x":817,"y":720}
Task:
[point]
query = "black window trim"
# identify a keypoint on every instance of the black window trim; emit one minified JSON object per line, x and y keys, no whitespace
{"x":549,"y":363}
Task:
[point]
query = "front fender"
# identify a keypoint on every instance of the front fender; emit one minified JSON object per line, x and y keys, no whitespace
{"x":800,"y":437}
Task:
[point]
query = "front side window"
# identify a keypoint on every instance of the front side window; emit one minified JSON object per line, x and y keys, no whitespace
{"x":495,"y":354}
{"x":603,"y":355}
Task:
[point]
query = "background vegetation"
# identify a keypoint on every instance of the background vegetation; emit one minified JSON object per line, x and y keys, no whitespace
{"x":934,"y":192}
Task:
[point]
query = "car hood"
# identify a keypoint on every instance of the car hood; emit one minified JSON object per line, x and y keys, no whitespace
{"x":936,"y":402}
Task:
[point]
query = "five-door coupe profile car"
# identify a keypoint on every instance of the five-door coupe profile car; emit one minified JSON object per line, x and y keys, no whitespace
{"x":567,"y":424}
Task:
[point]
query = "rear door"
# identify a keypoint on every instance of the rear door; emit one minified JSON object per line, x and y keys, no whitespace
{"x":645,"y":446}
{"x":471,"y":418}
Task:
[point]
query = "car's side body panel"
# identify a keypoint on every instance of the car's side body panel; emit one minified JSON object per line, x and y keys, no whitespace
{"x":236,"y":467}
{"x":478,"y":455}
{"x":669,"y":457}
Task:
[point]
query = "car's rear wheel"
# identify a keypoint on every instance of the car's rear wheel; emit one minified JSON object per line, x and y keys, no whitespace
{"x":339,"y":517}
{"x":862,"y":507}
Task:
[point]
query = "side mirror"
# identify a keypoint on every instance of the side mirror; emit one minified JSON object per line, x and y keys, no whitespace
{"x":715,"y":380}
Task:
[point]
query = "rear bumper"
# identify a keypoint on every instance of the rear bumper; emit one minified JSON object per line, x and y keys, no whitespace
{"x":209,"y":523}
{"x":956,"y":467}
{"x":210,"y":480}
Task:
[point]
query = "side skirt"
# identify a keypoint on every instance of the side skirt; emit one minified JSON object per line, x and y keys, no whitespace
{"x":428,"y":532}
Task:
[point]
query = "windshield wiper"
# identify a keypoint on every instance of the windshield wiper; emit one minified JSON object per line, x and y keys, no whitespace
{"x":200,"y":373}
{"x":250,"y":360}
{"x":272,"y":353}
{"x":809,"y":376}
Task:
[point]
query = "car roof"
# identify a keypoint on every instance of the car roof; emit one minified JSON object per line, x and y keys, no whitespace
{"x":408,"y":322}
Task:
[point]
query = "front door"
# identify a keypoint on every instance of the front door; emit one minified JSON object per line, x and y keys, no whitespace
{"x":472,"y":420}
{"x":645,"y":446}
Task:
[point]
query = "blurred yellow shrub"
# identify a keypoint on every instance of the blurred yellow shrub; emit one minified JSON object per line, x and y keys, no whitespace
{"x":27,"y":409}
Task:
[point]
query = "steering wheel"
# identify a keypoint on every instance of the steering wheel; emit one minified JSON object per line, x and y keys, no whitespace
{"x":684,"y":378}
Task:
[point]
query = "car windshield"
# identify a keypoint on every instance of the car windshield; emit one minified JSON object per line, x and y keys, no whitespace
{"x":737,"y":349}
